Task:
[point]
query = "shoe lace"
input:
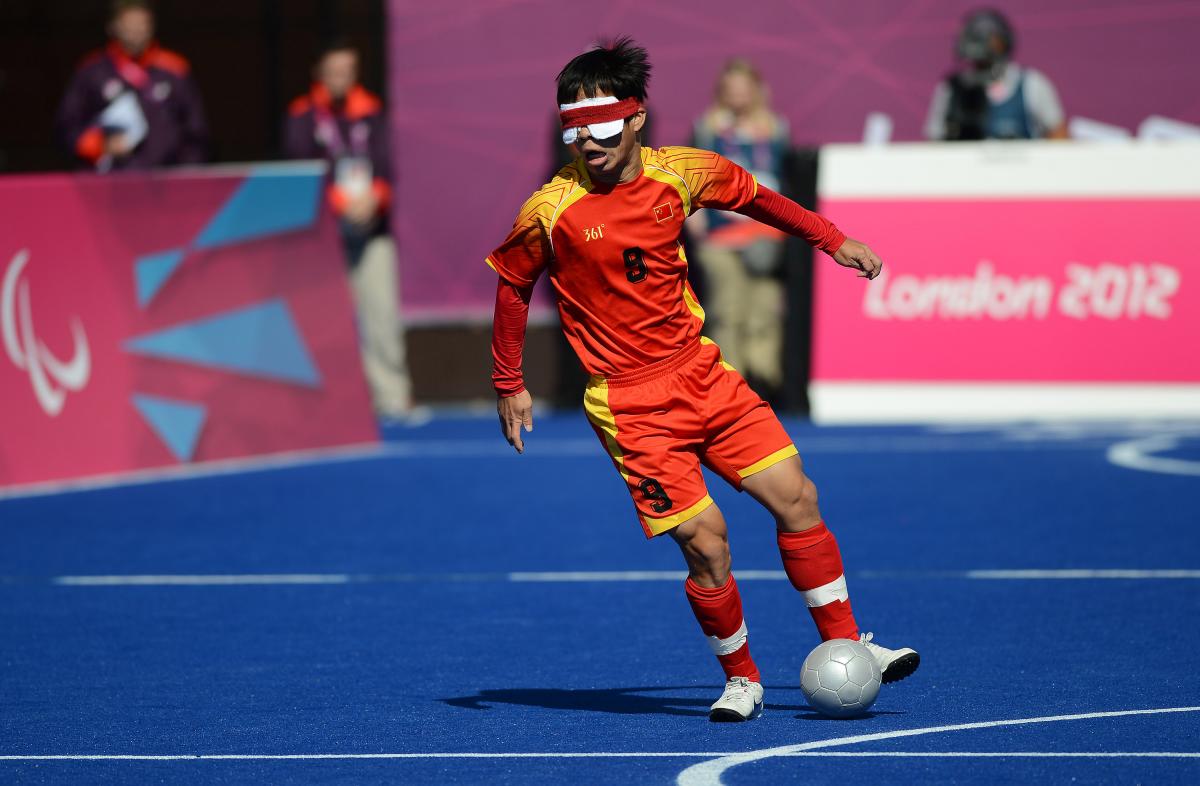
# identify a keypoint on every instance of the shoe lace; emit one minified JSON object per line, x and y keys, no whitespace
{"x":738,"y":683}
{"x":865,"y":639}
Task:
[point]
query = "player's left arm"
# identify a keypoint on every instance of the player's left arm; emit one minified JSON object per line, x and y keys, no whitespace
{"x":778,"y":211}
{"x":715,"y":181}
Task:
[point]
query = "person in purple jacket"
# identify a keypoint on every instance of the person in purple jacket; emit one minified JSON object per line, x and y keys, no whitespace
{"x":341,"y":122}
{"x":133,"y":104}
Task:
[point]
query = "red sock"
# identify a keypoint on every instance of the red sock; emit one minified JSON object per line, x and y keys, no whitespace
{"x":719,"y":612}
{"x":813,"y":563}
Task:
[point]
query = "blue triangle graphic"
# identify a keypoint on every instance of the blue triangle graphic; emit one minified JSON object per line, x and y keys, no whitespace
{"x":177,"y":423}
{"x":268,"y":202}
{"x":152,"y":271}
{"x":258,"y":341}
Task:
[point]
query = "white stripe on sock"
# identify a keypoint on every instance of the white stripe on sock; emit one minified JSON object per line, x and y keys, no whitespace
{"x":827,"y":593}
{"x":731,"y":644}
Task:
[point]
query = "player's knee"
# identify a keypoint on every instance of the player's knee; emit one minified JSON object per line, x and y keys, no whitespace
{"x":713,"y":551}
{"x":706,"y":552}
{"x":808,"y":494}
{"x":800,"y":510}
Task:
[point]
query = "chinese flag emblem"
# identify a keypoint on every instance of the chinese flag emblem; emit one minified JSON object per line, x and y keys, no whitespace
{"x":663,"y":212}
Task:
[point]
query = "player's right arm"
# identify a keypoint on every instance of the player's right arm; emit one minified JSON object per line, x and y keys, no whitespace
{"x":519,"y":261}
{"x":514,"y":405}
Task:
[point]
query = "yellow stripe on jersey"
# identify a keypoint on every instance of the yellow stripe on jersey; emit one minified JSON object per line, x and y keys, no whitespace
{"x":578,"y":192}
{"x":724,"y":365}
{"x":692,"y":304}
{"x":689,"y":297}
{"x":490,"y":264}
{"x":769,"y":461}
{"x":595,"y":406}
{"x":659,"y":526}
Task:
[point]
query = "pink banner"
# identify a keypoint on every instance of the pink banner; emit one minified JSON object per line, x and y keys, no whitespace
{"x":1014,"y":290}
{"x":157,"y":320}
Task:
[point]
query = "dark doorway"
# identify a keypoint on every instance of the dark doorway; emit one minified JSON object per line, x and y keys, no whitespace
{"x":249,"y":57}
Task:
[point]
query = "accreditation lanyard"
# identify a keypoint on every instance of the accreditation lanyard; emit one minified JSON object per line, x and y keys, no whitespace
{"x":130,"y":70}
{"x":329,"y":132}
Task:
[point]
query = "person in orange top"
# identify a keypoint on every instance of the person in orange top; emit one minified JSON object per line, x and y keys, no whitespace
{"x":661,"y":399}
{"x":133,"y":105}
{"x":340,"y":121}
{"x":741,"y":258}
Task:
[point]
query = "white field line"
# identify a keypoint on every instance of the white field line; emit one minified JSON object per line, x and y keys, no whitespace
{"x":202,"y":580}
{"x":524,"y":577}
{"x":309,"y":756}
{"x":709,"y":773}
{"x":1139,"y":454}
{"x":607,"y":755}
{"x":779,"y":575}
{"x":482,"y":448}
{"x":630,"y":575}
{"x":1079,"y":573}
{"x":997,"y":754}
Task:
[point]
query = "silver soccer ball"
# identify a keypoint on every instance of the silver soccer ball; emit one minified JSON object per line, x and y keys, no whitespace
{"x":840,"y":678}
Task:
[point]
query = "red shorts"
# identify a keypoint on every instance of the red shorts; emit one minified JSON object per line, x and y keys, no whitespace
{"x":660,"y":423}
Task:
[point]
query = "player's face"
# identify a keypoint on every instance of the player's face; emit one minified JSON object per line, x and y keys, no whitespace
{"x":614,"y":159}
{"x":338,"y":71}
{"x":133,"y":28}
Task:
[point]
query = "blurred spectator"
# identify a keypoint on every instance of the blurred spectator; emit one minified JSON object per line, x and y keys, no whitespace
{"x":991,"y":97}
{"x":340,"y":121}
{"x":740,"y":258}
{"x":133,"y":104}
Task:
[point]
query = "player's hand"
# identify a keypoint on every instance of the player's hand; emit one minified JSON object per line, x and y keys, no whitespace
{"x":117,"y":146}
{"x":515,"y":412}
{"x":859,"y":256}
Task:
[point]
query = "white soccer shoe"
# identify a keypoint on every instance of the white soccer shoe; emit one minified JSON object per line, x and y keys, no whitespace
{"x":895,"y":664}
{"x":741,"y":701}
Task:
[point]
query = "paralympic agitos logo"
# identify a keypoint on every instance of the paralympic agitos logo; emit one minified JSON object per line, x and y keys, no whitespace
{"x":50,"y":377}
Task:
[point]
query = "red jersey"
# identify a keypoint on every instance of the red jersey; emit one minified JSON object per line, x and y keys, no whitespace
{"x":614,"y":256}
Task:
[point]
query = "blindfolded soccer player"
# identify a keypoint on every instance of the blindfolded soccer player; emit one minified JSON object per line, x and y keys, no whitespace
{"x":661,"y":399}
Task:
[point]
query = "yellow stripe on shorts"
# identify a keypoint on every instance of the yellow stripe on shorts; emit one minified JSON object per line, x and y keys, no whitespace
{"x":659,"y":526}
{"x":769,"y":461}
{"x":595,"y":406}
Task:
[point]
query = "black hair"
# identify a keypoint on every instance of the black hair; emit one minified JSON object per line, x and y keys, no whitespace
{"x":118,"y":7}
{"x":339,"y":43}
{"x":620,"y":68}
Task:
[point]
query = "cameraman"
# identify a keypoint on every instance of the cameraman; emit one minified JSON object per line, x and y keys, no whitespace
{"x":990,"y":96}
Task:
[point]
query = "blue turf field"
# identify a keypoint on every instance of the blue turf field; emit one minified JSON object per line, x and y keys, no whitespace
{"x":434,"y":599}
